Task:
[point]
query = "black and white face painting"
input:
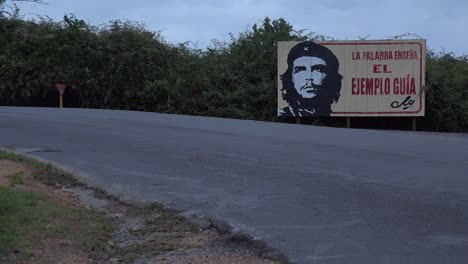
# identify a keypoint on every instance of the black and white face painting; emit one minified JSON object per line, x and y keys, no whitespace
{"x":308,"y":75}
{"x":311,"y":83}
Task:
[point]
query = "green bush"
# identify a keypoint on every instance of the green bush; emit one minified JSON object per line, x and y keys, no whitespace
{"x":125,"y":66}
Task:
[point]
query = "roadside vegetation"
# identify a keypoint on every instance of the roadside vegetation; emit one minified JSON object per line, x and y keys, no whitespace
{"x":45,"y":219}
{"x":123,"y":65}
{"x":37,"y":223}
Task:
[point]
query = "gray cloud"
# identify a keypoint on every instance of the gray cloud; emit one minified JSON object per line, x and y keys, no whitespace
{"x":441,"y":22}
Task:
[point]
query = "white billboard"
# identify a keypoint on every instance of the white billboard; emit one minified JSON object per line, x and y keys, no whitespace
{"x":351,"y":78}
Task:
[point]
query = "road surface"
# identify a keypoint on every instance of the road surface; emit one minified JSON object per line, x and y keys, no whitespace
{"x":320,"y":195}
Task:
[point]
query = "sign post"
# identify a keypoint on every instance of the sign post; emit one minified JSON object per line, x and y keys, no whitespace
{"x":61,"y":88}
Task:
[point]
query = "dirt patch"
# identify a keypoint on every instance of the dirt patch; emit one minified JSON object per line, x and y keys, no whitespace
{"x":60,"y":250}
{"x":8,"y":168}
{"x":56,"y":192}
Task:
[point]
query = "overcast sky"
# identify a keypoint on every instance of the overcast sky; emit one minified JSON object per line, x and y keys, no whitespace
{"x":443,"y":23}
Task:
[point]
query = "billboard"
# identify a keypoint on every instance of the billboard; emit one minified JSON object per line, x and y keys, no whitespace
{"x":351,"y":78}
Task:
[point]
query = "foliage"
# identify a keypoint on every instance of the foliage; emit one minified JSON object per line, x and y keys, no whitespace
{"x":446,"y":92}
{"x":122,"y":65}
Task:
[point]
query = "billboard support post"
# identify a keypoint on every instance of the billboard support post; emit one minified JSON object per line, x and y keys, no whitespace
{"x":414,"y":123}
{"x":348,"y":122}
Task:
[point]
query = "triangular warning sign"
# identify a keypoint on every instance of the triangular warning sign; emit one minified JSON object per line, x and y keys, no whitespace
{"x":61,"y":87}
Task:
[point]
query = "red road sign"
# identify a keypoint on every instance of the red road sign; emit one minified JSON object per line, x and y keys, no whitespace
{"x":61,"y":88}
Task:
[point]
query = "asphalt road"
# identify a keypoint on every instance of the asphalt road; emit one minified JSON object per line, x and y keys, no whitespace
{"x":320,"y":195}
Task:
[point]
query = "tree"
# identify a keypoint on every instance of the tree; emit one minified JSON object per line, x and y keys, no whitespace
{"x":446,"y":92}
{"x":254,"y":57}
{"x":9,"y":8}
{"x":125,"y":66}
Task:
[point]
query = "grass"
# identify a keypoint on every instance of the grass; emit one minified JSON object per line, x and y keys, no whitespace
{"x":51,"y":176}
{"x":163,"y":219}
{"x":19,"y":215}
{"x":45,"y":173}
{"x":17,"y":178}
{"x":28,"y":219}
{"x":10,"y":156}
